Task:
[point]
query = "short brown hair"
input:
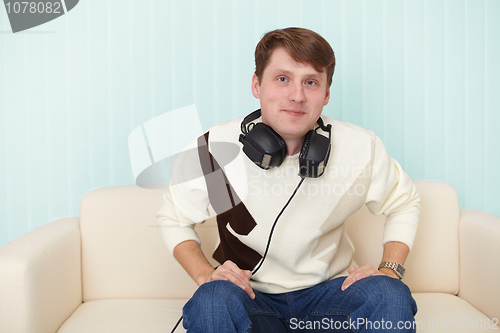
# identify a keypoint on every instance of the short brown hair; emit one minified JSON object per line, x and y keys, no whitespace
{"x":302,"y":45}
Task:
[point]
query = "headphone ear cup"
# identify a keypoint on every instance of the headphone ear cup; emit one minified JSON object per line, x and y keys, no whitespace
{"x":264,"y":146}
{"x":314,"y":155}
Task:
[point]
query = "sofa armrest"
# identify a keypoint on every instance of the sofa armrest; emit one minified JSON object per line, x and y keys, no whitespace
{"x":40,"y":278}
{"x":479,"y":261}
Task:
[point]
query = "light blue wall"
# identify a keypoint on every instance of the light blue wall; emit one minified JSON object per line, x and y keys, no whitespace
{"x":424,"y":75}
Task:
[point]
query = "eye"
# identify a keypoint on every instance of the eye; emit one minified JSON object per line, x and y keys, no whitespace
{"x":282,"y":79}
{"x":310,"y":83}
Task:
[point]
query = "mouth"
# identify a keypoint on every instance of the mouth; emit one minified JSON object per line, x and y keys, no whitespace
{"x":295,"y":113}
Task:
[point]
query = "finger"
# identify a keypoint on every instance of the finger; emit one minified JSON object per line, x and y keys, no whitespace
{"x":364,"y":272}
{"x":243,"y":276}
{"x":248,"y":274}
{"x":350,"y":279}
{"x":234,"y":274}
{"x":243,"y":284}
{"x":227,"y":275}
{"x":348,"y":282}
{"x":356,"y":274}
{"x":229,"y":271}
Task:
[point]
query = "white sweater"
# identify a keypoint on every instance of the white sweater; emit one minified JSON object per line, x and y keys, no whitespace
{"x":309,"y":244}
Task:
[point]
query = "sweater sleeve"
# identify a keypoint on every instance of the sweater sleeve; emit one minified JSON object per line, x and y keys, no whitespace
{"x":393,"y":194}
{"x":185,"y":202}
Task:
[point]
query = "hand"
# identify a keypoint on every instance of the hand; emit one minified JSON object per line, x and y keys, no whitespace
{"x":356,"y":274}
{"x":229,"y":271}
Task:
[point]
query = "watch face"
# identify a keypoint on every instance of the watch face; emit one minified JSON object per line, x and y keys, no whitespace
{"x":400,"y":270}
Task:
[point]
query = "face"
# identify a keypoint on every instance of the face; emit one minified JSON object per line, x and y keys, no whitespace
{"x":292,"y":95}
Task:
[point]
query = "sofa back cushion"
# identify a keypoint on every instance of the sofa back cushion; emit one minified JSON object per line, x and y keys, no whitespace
{"x":433,"y":263}
{"x":123,"y":254}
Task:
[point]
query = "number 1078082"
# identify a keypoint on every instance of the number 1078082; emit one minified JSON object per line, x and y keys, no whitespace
{"x":49,"y":7}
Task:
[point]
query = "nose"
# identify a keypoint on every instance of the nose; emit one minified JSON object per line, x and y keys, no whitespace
{"x":297,"y":92}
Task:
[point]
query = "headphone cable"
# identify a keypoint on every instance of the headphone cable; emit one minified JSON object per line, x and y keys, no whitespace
{"x":177,"y":324}
{"x":268,"y":240}
{"x":274,"y":225}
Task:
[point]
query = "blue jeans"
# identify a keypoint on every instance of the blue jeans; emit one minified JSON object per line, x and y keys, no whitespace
{"x":372,"y":304}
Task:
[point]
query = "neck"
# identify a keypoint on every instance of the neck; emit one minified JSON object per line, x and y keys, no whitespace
{"x":293,"y":146}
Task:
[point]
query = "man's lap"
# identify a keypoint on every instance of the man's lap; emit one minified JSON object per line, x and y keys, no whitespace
{"x":323,"y":305}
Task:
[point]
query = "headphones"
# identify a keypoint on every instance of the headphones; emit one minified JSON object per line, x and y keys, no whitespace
{"x":266,"y":148}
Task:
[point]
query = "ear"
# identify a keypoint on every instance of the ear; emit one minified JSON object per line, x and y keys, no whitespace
{"x":255,"y":86}
{"x":327,"y":96}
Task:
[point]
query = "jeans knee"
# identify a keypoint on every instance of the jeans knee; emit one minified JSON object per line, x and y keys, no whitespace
{"x":397,"y":288}
{"x":216,"y":290}
{"x":216,"y":304}
{"x":393,"y":291}
{"x":216,"y":295}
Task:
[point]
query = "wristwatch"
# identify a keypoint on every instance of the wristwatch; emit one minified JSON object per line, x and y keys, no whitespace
{"x":397,"y":268}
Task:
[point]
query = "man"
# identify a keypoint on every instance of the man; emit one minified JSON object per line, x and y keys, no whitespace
{"x":299,"y":279}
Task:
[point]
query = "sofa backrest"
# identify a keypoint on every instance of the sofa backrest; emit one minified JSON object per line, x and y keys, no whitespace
{"x":433,"y":262}
{"x":123,"y":255}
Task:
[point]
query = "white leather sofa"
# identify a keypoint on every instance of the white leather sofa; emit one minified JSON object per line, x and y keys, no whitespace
{"x":109,"y":271}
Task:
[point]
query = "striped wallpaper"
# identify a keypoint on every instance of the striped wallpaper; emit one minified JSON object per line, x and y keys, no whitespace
{"x":423,"y":74}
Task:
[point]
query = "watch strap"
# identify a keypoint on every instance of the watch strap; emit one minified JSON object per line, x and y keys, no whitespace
{"x":396,"y":267}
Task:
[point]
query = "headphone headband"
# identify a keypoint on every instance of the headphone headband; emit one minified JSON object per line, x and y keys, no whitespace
{"x":258,"y":113}
{"x":248,"y":119}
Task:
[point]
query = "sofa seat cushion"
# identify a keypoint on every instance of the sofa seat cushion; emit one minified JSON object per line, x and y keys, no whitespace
{"x":437,"y":312}
{"x":125,"y":316}
{"x":440,"y":312}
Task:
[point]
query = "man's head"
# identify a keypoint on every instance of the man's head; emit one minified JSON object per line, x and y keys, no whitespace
{"x":294,"y":69}
{"x":301,"y":44}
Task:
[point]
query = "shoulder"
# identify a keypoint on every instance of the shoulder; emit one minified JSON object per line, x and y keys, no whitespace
{"x":345,"y":128}
{"x":227,"y":131}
